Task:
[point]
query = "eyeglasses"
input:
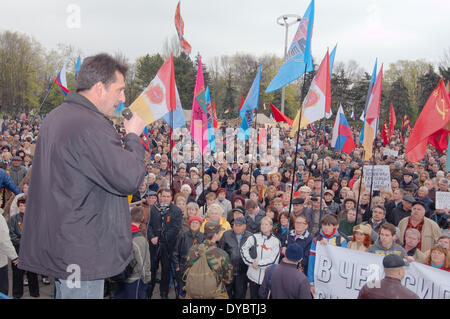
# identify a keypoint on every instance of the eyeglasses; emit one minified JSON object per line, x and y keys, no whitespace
{"x":300,"y":223}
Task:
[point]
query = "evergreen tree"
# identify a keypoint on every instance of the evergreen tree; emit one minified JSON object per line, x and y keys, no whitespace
{"x":399,"y":96}
{"x":146,"y":69}
{"x":357,"y":95}
{"x":228,"y":101}
{"x":428,"y":83}
{"x":185,"y":75}
{"x":445,"y":73}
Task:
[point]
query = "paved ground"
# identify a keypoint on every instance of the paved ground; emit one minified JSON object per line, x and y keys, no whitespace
{"x":46,"y":291}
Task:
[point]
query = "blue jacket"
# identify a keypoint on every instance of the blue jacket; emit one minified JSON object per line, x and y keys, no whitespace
{"x":304,"y":241}
{"x":6,"y":181}
{"x":312,"y":252}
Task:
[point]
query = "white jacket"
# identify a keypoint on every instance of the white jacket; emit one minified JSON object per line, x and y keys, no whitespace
{"x":7,"y":249}
{"x":268,"y":249}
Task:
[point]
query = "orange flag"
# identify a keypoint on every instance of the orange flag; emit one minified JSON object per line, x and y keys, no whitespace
{"x":432,"y":125}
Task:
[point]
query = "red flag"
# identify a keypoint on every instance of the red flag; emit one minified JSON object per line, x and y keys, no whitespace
{"x":432,"y":125}
{"x":227,"y":110}
{"x":214,"y":113}
{"x":242,"y":103}
{"x":280,"y":117}
{"x":392,"y":121}
{"x":179,"y":25}
{"x":384,"y":134}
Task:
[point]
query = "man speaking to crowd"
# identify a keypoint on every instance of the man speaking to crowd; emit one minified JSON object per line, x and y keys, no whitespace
{"x":77,"y":228}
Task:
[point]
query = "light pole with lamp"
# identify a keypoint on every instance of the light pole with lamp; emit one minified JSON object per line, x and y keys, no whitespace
{"x":283,"y":21}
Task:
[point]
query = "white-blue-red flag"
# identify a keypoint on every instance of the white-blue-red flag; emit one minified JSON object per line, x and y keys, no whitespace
{"x":61,"y":80}
{"x":369,"y":93}
{"x":342,"y":134}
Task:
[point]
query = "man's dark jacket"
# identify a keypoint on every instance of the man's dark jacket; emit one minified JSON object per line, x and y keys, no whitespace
{"x":77,"y":209}
{"x":387,"y":288}
{"x":230,"y":244}
{"x":164,"y":224}
{"x":287,"y":282}
{"x":181,"y":250}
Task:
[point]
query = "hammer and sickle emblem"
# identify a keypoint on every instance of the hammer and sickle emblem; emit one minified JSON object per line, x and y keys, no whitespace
{"x":442,"y":111}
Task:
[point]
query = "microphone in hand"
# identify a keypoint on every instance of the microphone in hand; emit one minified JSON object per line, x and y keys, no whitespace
{"x":126,"y":113}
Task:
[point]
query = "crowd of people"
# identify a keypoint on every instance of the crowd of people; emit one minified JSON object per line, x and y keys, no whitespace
{"x":252,"y":207}
{"x":258,"y":223}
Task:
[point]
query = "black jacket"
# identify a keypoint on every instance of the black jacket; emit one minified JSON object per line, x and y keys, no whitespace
{"x":77,"y":207}
{"x":181,"y":251}
{"x":15,"y":230}
{"x":254,"y":225}
{"x":397,"y":215}
{"x":164,"y":224}
{"x":230,"y":244}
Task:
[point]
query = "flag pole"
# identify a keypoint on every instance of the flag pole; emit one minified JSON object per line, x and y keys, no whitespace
{"x":373,"y":164}
{"x":170,"y":149}
{"x":45,"y":98}
{"x":298,"y":135}
{"x":360,"y":183}
{"x":251,"y":163}
{"x":323,"y":161}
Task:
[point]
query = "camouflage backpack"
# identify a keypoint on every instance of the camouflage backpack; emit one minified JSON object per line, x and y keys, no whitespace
{"x":201,"y":280}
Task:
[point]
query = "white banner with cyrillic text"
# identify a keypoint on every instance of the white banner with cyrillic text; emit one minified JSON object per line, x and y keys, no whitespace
{"x":381,"y":177}
{"x":342,"y":272}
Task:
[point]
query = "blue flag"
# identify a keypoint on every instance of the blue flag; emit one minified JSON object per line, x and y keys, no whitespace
{"x":250,"y":104}
{"x":77,"y":66}
{"x":333,"y":53}
{"x":298,"y":55}
{"x":369,"y":92}
{"x":211,"y":136}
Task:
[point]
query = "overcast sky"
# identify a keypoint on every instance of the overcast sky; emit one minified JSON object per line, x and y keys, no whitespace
{"x":389,"y":30}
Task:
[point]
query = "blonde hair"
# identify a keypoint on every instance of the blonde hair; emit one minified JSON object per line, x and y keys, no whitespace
{"x":193,"y":206}
{"x":215,"y":207}
{"x":267,"y":219}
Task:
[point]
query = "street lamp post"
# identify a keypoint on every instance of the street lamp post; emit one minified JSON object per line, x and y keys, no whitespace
{"x":283,"y":21}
